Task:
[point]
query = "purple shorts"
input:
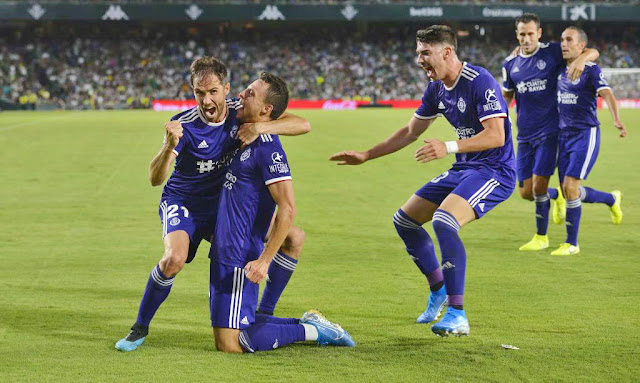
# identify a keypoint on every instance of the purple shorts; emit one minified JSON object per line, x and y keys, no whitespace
{"x":537,"y":157}
{"x":233,"y":298}
{"x":578,"y":151}
{"x":483,"y":188}
{"x":196,"y":219}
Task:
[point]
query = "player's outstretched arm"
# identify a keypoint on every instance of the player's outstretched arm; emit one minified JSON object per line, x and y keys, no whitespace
{"x":287,"y":125}
{"x":491,"y":137}
{"x":575,"y":69}
{"x":397,"y":141}
{"x":610,"y":99}
{"x":282,"y":194}
{"x":161,"y":164}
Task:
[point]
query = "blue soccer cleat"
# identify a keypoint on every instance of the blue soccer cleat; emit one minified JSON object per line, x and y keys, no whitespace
{"x":329,"y":333}
{"x":454,"y":322}
{"x":134,"y":339}
{"x":437,"y":303}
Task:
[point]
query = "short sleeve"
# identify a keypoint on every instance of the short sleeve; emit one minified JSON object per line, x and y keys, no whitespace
{"x":428,"y":109}
{"x":507,"y":83}
{"x":597,"y":79}
{"x":488,"y":98}
{"x":272,"y":163}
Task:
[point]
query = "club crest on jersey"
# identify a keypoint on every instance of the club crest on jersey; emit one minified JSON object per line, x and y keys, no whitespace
{"x":174,"y":221}
{"x":541,"y":64}
{"x":276,"y":158}
{"x":462,"y":106}
{"x":245,"y":154}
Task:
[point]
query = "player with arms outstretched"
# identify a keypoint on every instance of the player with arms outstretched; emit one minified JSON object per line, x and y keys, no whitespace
{"x":202,"y":141}
{"x":482,"y":176}
{"x":579,"y":142}
{"x":531,"y":77}
{"x":258,"y":180}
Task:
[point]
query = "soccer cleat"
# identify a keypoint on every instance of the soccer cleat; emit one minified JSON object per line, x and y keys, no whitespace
{"x":134,"y":339}
{"x":453,"y":322}
{"x":616,"y":208}
{"x":559,"y":208}
{"x":437,"y":303}
{"x":566,"y":249}
{"x":539,"y":242}
{"x":329,"y":333}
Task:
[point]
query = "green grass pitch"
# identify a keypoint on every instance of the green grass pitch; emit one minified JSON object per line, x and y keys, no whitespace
{"x":79,"y":234}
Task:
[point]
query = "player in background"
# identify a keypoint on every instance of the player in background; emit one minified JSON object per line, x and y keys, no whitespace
{"x":258,"y":180}
{"x":579,"y":142}
{"x":202,"y":141}
{"x":482,"y":177}
{"x":531,"y":77}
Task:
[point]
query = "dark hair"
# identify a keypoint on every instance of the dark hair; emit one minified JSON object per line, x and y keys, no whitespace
{"x":277,"y":94}
{"x":438,"y":34}
{"x":526,"y":18}
{"x":208,"y":65}
{"x":581,"y":33}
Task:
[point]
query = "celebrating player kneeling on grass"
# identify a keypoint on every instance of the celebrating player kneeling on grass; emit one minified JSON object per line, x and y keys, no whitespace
{"x":258,"y":180}
{"x":482,"y":176}
{"x":579,"y":142}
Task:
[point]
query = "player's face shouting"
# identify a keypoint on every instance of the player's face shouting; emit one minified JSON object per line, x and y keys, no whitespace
{"x":253,"y":103}
{"x":528,"y":35}
{"x":210,"y":95}
{"x":571,"y":44}
{"x":431,"y":59}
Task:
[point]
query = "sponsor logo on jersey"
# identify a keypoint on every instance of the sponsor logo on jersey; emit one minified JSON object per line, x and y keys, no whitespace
{"x":441,"y":105}
{"x":541,"y":64}
{"x":462,"y":106}
{"x":492,"y":102}
{"x":279,"y":168}
{"x":234,"y":131}
{"x":481,"y":206}
{"x":464,"y":132}
{"x":535,"y":85}
{"x":245,"y":321}
{"x":276,"y":157}
{"x":115,"y":12}
{"x":567,"y":98}
{"x":245,"y":155}
{"x":515,"y":70}
{"x":203,"y":145}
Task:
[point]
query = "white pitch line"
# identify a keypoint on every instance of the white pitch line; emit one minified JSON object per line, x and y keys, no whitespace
{"x":16,"y":126}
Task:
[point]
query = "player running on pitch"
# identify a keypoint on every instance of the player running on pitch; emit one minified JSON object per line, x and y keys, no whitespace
{"x":482,"y":176}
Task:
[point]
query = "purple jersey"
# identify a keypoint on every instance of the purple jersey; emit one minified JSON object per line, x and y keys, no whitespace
{"x":246,"y":205}
{"x":203,"y":154}
{"x":577,"y":100}
{"x":534,"y":78}
{"x":473,"y":98}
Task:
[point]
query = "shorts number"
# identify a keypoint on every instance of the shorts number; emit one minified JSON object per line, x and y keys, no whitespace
{"x":172,"y":211}
{"x":440,"y":177}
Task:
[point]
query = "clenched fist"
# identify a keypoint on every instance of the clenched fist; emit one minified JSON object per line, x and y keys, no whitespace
{"x":173,"y":133}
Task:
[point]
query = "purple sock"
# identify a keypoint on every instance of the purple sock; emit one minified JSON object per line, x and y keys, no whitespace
{"x":264,"y":318}
{"x":574,"y":210}
{"x":590,"y":195}
{"x":419,"y":246}
{"x":157,"y":290}
{"x":269,"y":336}
{"x":543,"y":204}
{"x":454,"y":257}
{"x":278,"y":276}
{"x":553,"y":193}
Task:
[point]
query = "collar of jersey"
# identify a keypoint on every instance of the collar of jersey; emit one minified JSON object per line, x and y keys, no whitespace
{"x":532,"y":53}
{"x":204,"y":119}
{"x":464,"y":64}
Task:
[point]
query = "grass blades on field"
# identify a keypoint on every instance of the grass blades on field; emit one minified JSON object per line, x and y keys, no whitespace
{"x":79,"y":234}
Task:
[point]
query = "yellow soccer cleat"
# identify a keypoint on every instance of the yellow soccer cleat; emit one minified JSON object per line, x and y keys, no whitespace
{"x":616,"y":208}
{"x":559,"y":208}
{"x":539,"y":242}
{"x":566,"y":249}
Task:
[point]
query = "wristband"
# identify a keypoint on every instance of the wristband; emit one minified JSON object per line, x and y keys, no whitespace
{"x":452,"y":146}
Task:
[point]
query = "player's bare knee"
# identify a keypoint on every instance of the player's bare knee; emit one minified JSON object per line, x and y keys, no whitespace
{"x":292,"y":246}
{"x":228,"y":345}
{"x":526,"y":193}
{"x":173,"y":261}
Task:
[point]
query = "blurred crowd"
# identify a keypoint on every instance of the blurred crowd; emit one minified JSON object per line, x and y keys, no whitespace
{"x":78,"y":67}
{"x":331,"y":2}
